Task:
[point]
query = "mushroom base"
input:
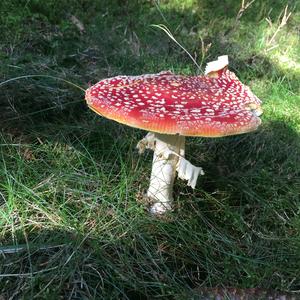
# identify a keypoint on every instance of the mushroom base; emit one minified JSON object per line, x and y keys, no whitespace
{"x":168,"y":158}
{"x":164,"y":171}
{"x":167,"y":149}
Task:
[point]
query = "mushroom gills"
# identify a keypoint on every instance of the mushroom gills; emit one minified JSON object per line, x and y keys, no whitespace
{"x":168,"y":158}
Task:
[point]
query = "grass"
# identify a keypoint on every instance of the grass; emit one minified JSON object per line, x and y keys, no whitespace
{"x":72,"y":223}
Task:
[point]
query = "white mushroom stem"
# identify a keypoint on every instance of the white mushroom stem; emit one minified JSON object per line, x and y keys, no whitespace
{"x":168,"y":158}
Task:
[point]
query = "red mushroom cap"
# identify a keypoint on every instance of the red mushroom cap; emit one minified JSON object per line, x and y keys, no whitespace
{"x":209,"y":106}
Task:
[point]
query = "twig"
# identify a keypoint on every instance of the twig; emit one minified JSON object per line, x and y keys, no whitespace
{"x":269,"y":22}
{"x":271,"y":48}
{"x":285,"y":17}
{"x":27,"y":274}
{"x":77,"y":23}
{"x":20,"y":248}
{"x":243,"y":7}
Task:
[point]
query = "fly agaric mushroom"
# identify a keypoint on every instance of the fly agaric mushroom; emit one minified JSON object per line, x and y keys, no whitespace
{"x":171,"y":107}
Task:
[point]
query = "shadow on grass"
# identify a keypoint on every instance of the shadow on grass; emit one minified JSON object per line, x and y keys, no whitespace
{"x":270,"y":147}
{"x":255,"y":169}
{"x":229,"y":228}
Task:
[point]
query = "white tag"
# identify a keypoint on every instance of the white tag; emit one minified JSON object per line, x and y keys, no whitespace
{"x":189,"y":172}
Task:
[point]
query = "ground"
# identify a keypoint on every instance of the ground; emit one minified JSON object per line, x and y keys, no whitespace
{"x":73,"y":223}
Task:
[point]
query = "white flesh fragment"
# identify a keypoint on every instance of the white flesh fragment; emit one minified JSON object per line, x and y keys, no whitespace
{"x":146,"y":143}
{"x":189,"y":172}
{"x":216,"y":65}
{"x":168,"y":158}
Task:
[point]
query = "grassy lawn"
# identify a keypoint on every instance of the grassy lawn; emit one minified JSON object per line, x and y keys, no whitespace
{"x":73,"y":224}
